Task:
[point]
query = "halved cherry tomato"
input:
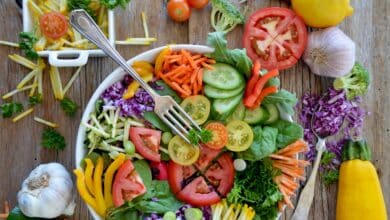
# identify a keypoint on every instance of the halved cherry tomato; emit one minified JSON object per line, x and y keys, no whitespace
{"x":240,"y":136}
{"x":159,"y":170}
{"x":53,"y":25}
{"x":206,"y":157}
{"x":220,"y":135}
{"x":221,"y":174}
{"x":182,"y":152}
{"x":179,"y":10}
{"x":198,"y":4}
{"x":147,"y":142}
{"x":198,"y":193}
{"x":178,"y":175}
{"x":276,"y":36}
{"x":127,"y":184}
{"x":198,"y":107}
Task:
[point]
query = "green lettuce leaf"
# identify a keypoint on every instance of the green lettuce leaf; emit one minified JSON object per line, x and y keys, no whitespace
{"x":264,"y":143}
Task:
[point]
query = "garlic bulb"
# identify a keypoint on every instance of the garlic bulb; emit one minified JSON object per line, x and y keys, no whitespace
{"x":47,"y":192}
{"x":329,"y":52}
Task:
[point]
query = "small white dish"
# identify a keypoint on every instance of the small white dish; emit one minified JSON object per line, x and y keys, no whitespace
{"x":68,"y":58}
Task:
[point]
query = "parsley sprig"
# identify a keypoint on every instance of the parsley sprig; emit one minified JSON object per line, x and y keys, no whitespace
{"x":203,"y":136}
{"x":10,"y":108}
{"x":51,"y":139}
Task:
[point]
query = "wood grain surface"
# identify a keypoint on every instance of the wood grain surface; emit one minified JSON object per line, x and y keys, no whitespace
{"x":20,"y":149}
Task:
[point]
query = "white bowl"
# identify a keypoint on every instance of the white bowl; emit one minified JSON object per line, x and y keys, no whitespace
{"x":116,"y":76}
{"x":66,"y":58}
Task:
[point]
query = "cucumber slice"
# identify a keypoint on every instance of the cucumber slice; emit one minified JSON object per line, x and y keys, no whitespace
{"x":273,"y":113}
{"x":238,"y":114}
{"x":223,"y":76}
{"x":223,"y":108}
{"x":216,"y":93}
{"x":256,"y":116}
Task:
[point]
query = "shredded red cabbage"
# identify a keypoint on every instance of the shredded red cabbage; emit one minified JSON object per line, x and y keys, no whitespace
{"x":332,"y":113}
{"x":135,"y":106}
{"x":207,"y":213}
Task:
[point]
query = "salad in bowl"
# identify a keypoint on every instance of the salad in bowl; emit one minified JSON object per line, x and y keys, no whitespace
{"x":242,"y":164}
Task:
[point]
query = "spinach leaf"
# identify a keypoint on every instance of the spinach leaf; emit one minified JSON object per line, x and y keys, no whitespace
{"x":144,"y":171}
{"x":167,"y":91}
{"x":156,"y":121}
{"x":236,"y":58}
{"x":123,"y":212}
{"x":288,"y":132}
{"x":284,"y":99}
{"x":263,"y":145}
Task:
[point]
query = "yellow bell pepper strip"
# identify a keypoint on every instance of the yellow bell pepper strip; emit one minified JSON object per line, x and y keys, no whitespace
{"x":109,"y":176}
{"x":88,"y":175}
{"x":359,"y":191}
{"x":133,"y":87}
{"x":160,"y":59}
{"x":143,"y":65}
{"x":82,"y":188}
{"x":97,"y":184}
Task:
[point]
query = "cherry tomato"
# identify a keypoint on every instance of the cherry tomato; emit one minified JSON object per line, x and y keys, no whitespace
{"x":127,"y":184}
{"x":276,"y":36}
{"x":147,"y":142}
{"x":182,"y":152}
{"x":198,"y":4}
{"x":53,"y":25}
{"x":179,"y":10}
{"x":159,"y":170}
{"x":220,"y":135}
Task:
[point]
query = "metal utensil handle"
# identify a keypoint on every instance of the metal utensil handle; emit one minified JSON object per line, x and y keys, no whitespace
{"x":84,"y":24}
{"x":307,"y":194}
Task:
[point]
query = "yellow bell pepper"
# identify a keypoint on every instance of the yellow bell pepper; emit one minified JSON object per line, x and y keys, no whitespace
{"x":322,"y":13}
{"x":82,"y":188}
{"x":97,"y":185}
{"x":359,"y":193}
{"x":109,"y":176}
{"x":133,"y":86}
{"x":160,"y":59}
{"x":143,"y":65}
{"x":88,"y":175}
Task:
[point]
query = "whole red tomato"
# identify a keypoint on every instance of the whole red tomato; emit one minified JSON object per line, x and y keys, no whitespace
{"x":198,"y":4}
{"x":179,"y":10}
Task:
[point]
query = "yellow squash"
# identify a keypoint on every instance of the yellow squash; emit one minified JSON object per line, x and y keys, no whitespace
{"x":359,"y":192}
{"x":322,"y":13}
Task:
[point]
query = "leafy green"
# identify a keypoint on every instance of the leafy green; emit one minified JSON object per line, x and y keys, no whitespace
{"x":51,"y":139}
{"x":34,"y":100}
{"x":203,"y":136}
{"x":225,"y":16}
{"x":256,"y":188}
{"x":285,"y":100}
{"x":330,"y":176}
{"x":327,"y":157}
{"x":10,"y":108}
{"x":144,"y":171}
{"x":16,"y":214}
{"x":288,"y":132}
{"x":264,"y":143}
{"x":82,"y":4}
{"x":156,"y":121}
{"x":26,"y":43}
{"x":69,"y":107}
{"x":167,"y":91}
{"x":236,"y":58}
{"x":111,"y":4}
{"x":355,"y":83}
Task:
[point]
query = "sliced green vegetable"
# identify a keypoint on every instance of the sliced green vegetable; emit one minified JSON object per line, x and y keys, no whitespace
{"x":216,"y":93}
{"x":156,"y":121}
{"x":223,"y":108}
{"x":238,"y":114}
{"x":256,"y":116}
{"x":223,"y":76}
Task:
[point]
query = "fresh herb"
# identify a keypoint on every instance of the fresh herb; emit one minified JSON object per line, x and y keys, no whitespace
{"x":330,"y":176}
{"x":256,"y":188}
{"x":69,"y":106}
{"x":51,"y":139}
{"x":34,"y":100}
{"x":156,"y":121}
{"x":203,"y":136}
{"x":10,"y":108}
{"x":111,"y":4}
{"x":288,"y":132}
{"x":225,"y":16}
{"x":285,"y":100}
{"x":26,"y":43}
{"x":264,"y":143}
{"x":81,"y":4}
{"x":327,"y":157}
{"x":17,"y":214}
{"x":236,"y":58}
{"x":355,"y":83}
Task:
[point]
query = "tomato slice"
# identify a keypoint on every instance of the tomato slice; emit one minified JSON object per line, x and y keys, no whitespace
{"x":53,"y":25}
{"x":198,"y":193}
{"x":159,"y":170}
{"x":198,"y":107}
{"x":240,"y":136}
{"x":220,"y":135}
{"x":276,"y":36}
{"x":178,"y":175}
{"x":206,"y":157}
{"x":221,"y":174}
{"x":147,"y":142}
{"x":127,"y":184}
{"x":182,"y":152}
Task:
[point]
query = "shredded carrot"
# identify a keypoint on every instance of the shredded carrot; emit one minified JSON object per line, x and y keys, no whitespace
{"x":295,"y":147}
{"x":183,"y":72}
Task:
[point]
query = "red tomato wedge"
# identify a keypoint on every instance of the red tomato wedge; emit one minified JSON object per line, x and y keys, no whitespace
{"x":159,"y":170}
{"x":205,"y":158}
{"x":220,"y":135}
{"x":127,"y":184}
{"x":198,"y":193}
{"x":147,"y":142}
{"x":221,"y":174}
{"x":276,"y":36}
{"x":53,"y":25}
{"x":177,"y":175}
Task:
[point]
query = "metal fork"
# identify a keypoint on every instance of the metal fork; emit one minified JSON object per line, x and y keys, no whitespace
{"x":165,"y":107}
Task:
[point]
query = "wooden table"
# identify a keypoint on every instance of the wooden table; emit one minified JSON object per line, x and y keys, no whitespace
{"x":20,"y":149}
